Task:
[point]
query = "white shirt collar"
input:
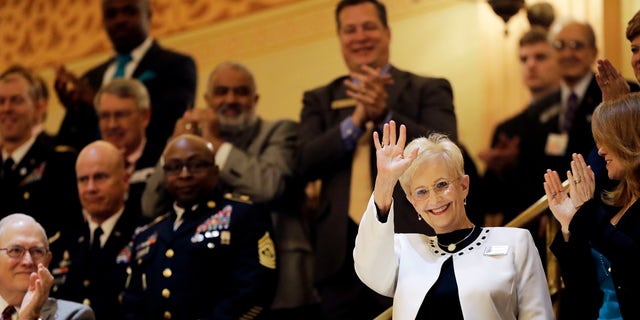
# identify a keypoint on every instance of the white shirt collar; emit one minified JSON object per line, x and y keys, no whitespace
{"x":4,"y":304}
{"x":19,"y":153}
{"x":579,"y":89}
{"x":107,"y":226}
{"x":179,"y":213}
{"x":136,"y":56}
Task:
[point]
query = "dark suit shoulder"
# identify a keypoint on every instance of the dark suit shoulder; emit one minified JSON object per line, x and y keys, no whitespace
{"x":159,"y":49}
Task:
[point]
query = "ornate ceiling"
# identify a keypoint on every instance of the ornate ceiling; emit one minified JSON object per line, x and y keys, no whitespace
{"x":41,"y":33}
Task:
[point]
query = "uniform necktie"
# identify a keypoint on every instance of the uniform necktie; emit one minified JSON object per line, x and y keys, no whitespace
{"x":7,"y":167}
{"x":360,"y":191}
{"x":570,"y":112}
{"x":8,"y":311}
{"x":95,"y":245}
{"x":121,"y":63}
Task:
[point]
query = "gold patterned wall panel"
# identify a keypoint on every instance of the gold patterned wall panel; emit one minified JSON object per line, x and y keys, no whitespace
{"x":44,"y":33}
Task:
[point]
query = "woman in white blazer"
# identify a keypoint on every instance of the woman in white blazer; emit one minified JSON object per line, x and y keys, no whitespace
{"x":465,"y":271}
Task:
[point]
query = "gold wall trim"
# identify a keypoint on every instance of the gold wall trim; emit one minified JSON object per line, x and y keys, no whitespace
{"x":45,"y":33}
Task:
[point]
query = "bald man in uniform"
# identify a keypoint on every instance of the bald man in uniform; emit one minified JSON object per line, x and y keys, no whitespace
{"x":209,"y":256}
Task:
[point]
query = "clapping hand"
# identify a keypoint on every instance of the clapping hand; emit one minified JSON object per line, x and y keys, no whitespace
{"x":368,"y":89}
{"x":40,"y":283}
{"x":72,"y":91}
{"x":391,"y":163}
{"x":610,"y":81}
{"x":565,"y":204}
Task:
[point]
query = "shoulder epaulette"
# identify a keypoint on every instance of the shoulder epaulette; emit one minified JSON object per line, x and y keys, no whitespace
{"x":54,"y":237}
{"x":155,"y":221}
{"x":238,"y":197}
{"x":64,"y":148}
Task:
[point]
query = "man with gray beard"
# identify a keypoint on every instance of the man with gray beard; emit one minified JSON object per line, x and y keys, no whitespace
{"x":256,"y":159}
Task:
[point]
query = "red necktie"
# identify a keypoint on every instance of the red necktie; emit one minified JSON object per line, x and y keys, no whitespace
{"x":8,"y":311}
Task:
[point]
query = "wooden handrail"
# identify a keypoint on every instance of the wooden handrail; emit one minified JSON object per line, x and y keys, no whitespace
{"x":533,"y":211}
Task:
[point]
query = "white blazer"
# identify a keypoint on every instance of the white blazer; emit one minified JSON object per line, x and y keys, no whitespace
{"x":499,"y":276}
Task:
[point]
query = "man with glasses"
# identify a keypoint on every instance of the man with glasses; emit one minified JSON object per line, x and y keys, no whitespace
{"x":123,"y":109}
{"x":85,"y":258}
{"x":210,"y":257}
{"x":562,"y":125}
{"x":24,"y":278}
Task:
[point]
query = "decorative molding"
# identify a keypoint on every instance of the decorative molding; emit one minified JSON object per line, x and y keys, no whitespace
{"x":45,"y":33}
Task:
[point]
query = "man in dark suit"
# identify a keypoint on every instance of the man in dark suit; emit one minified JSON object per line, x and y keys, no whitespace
{"x":170,"y":77}
{"x":209,"y":257}
{"x":123,"y":110}
{"x":333,"y":118}
{"x":541,"y":75}
{"x":561,"y":124}
{"x":24,"y":279}
{"x":85,"y":259}
{"x":35,"y":178}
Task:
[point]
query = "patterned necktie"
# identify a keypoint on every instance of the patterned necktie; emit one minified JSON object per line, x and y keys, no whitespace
{"x":570,"y":112}
{"x":122,"y":60}
{"x":8,"y":311}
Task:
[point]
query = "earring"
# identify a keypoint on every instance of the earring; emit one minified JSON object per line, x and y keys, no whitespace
{"x":465,"y":201}
{"x":419,"y":217}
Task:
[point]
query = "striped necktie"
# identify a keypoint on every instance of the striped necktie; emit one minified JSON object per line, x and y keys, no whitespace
{"x":570,"y":112}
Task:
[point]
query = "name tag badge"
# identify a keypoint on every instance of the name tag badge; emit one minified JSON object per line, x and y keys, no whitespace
{"x":496,"y":250}
{"x":556,"y":144}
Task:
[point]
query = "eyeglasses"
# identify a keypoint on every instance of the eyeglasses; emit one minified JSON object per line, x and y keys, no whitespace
{"x":438,"y":188}
{"x":116,"y":115}
{"x":571,"y":44}
{"x":17,"y":252}
{"x":193,"y":166}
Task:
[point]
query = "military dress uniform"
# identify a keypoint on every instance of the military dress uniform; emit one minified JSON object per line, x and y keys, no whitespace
{"x":93,"y":278}
{"x":218,"y":264}
{"x":42,"y":185}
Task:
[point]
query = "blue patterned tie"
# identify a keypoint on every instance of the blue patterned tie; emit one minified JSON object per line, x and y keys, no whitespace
{"x":122,"y":60}
{"x":570,"y":112}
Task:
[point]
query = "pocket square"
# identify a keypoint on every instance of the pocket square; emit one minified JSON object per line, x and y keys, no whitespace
{"x":147,"y":75}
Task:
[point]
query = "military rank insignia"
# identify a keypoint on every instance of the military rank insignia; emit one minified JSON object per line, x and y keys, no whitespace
{"x":266,"y":251}
{"x":35,"y":175}
{"x":125,"y":254}
{"x":215,"y":226}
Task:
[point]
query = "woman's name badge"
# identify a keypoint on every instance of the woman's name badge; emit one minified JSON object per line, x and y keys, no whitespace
{"x":496,"y":250}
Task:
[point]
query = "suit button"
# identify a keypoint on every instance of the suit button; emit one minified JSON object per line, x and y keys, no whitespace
{"x":169,"y":253}
{"x":86,"y":283}
{"x":86,"y":302}
{"x":167,"y":315}
{"x":166,"y":293}
{"x":26,"y":195}
{"x":167,"y":273}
